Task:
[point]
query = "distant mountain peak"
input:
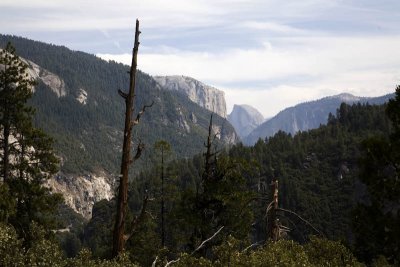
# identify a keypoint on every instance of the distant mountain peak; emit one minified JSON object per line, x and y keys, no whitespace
{"x":244,"y":119}
{"x":346,"y":97}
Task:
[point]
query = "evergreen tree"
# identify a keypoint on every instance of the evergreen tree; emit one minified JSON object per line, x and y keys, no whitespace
{"x":377,"y":220}
{"x":26,"y":156}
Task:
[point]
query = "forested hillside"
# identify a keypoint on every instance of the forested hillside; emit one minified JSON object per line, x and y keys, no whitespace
{"x":308,"y":115}
{"x":89,"y":136}
{"x":318,"y":173}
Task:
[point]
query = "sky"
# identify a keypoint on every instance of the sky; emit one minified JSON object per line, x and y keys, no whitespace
{"x":270,"y":54}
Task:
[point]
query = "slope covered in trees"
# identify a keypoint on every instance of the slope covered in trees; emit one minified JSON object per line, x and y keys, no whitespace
{"x":88,"y":136}
{"x":318,"y":173}
{"x":27,"y":159}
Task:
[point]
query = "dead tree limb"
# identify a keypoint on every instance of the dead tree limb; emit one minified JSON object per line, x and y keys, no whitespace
{"x":207,"y":240}
{"x":301,"y":218}
{"x":154,"y":262}
{"x":256,"y":244}
{"x":137,"y":119}
{"x":139,"y":149}
{"x":198,"y":248}
{"x":122,"y":94}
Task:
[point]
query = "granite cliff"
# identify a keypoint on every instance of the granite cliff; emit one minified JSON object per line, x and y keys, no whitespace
{"x":205,"y":96}
{"x":245,"y":119}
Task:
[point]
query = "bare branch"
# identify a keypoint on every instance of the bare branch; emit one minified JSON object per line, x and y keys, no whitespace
{"x":269,"y":207}
{"x":136,"y":121}
{"x":154,"y":262}
{"x":122,"y":94}
{"x":207,"y":240}
{"x":198,"y":248}
{"x":139,"y":149}
{"x":171,"y":262}
{"x":253,"y":245}
{"x":151,"y":215}
{"x":304,"y":220}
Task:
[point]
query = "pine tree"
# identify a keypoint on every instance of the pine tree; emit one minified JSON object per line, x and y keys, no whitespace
{"x":26,"y":155}
{"x":377,"y":222}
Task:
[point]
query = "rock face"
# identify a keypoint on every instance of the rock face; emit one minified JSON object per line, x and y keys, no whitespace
{"x":35,"y":72}
{"x":82,"y":96}
{"x":205,"y":96}
{"x":54,"y":82}
{"x":309,"y":115}
{"x":82,"y":191}
{"x":245,"y":119}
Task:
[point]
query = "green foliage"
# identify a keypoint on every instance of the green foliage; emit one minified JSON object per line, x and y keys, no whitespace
{"x":317,"y":172}
{"x":377,"y":218}
{"x":323,"y":252}
{"x":208,"y":205}
{"x":27,"y":159}
{"x":319,"y":252}
{"x":7,"y":203}
{"x":85,"y":259}
{"x":11,"y":251}
{"x":45,"y":252}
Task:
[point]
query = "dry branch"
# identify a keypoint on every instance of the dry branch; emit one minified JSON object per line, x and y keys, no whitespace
{"x":301,"y":218}
{"x":122,"y":94}
{"x":136,"y":121}
{"x":197,"y":249}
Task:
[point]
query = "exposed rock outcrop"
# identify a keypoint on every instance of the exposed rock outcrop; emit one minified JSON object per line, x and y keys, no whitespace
{"x":206,"y":96}
{"x":35,"y":72}
{"x":54,"y":82}
{"x":82,"y":191}
{"x":82,"y":96}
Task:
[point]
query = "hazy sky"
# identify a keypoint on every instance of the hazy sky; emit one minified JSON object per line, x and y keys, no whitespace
{"x":269,"y":54}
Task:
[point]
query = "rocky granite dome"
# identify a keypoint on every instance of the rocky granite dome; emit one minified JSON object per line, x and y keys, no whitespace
{"x":309,"y":115}
{"x":206,"y":96}
{"x":245,"y":119}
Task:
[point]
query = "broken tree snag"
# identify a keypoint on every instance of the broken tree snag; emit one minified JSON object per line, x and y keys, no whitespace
{"x":209,"y":155}
{"x":272,"y":221}
{"x":122,"y":198}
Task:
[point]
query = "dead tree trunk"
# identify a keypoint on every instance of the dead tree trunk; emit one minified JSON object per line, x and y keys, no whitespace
{"x":272,"y":223}
{"x":162,"y":199}
{"x":122,"y":199}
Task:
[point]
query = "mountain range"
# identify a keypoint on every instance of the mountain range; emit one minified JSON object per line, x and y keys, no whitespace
{"x":308,"y":115}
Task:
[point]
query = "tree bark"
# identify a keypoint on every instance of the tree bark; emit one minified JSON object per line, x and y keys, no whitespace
{"x":122,"y":200}
{"x":273,"y":227}
{"x":162,"y":199}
